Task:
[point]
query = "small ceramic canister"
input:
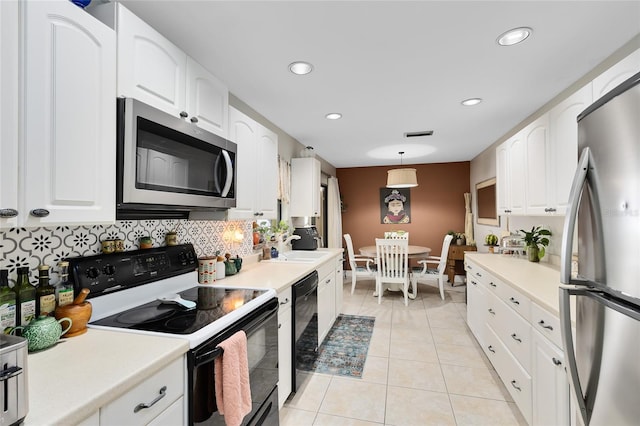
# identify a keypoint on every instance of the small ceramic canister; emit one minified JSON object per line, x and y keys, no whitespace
{"x":207,"y":270}
{"x":108,"y":246}
{"x":118,"y":245}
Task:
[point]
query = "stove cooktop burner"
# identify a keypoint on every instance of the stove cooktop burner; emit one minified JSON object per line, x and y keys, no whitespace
{"x":211,"y":304}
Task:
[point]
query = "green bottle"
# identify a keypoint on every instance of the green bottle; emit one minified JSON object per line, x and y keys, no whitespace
{"x":25,"y":298}
{"x":45,"y":293}
{"x":7,"y":304}
{"x":64,"y":289}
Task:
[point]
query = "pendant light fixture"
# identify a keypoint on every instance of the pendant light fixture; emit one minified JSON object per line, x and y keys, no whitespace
{"x":401,"y":178}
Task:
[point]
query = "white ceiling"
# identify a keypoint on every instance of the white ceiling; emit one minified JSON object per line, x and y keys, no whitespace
{"x":392,"y":67}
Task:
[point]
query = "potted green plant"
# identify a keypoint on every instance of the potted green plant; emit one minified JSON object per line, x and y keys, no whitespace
{"x":491,"y":240}
{"x":460,"y":238}
{"x":536,"y":241}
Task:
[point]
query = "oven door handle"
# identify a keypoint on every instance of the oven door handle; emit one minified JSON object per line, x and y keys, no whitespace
{"x":208,"y":356}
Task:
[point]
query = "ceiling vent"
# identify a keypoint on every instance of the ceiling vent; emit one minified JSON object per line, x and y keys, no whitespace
{"x":418,"y":134}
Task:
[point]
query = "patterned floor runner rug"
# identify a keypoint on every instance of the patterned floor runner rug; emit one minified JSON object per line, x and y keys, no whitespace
{"x":344,"y":350}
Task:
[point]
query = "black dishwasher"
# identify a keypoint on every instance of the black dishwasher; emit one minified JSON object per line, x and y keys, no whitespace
{"x":305,"y":325}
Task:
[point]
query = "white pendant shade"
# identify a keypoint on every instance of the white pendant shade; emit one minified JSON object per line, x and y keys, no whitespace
{"x":401,"y":178}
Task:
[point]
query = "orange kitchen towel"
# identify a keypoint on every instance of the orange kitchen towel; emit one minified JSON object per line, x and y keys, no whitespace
{"x":231,"y":370}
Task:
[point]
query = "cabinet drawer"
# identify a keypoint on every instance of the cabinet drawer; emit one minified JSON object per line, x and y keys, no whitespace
{"x":512,"y":330}
{"x":515,"y":378}
{"x":121,"y":411}
{"x":547,"y":324}
{"x":327,"y":268}
{"x":514,"y":299}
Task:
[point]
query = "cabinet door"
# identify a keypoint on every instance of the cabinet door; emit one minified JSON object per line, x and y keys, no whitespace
{"x":243,"y":131}
{"x":305,"y":187}
{"x":9,"y":57}
{"x":266,"y":182}
{"x":285,"y":337}
{"x":326,"y":305}
{"x":150,"y":67}
{"x":207,"y":99}
{"x":563,"y":133}
{"x":550,"y":386}
{"x":69,"y":122}
{"x":517,"y":172}
{"x":476,"y":308}
{"x":616,"y":75}
{"x":339,"y":285}
{"x":538,"y":182}
{"x":502,"y":178}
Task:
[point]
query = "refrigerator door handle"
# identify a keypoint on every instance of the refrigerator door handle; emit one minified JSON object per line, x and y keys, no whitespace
{"x":579,"y":180}
{"x":569,"y":351}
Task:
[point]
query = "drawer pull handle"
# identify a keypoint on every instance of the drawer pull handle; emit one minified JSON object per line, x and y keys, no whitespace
{"x":285,"y":301}
{"x":491,"y":311}
{"x":478,"y":274}
{"x":514,"y":301}
{"x":556,"y":361}
{"x":141,"y":406}
{"x":514,"y":384}
{"x":543,"y":325}
{"x":469,"y":266}
{"x":516,"y":338}
{"x":8,"y":213}
{"x":39,"y":212}
{"x":492,"y":284}
{"x":473,"y":282}
{"x":491,"y":349}
{"x":279,"y":326}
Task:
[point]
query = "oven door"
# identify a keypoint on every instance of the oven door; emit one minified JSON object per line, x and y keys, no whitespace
{"x":261,"y":328}
{"x":165,"y":160}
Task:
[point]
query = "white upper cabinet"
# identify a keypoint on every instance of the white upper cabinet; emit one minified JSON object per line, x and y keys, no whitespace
{"x":305,"y":187}
{"x":157,"y":72}
{"x":537,"y":168}
{"x":66,"y":161}
{"x":257,"y":168}
{"x":563,"y":130}
{"x":616,"y":75}
{"x":510,"y":175}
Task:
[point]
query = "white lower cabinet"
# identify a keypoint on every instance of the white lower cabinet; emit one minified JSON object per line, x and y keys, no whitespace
{"x":339,"y":284}
{"x":162,"y":394}
{"x":522,"y":341}
{"x":285,"y":342}
{"x":551,"y":388}
{"x":326,"y":298}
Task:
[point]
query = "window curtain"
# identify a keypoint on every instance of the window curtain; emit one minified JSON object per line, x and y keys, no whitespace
{"x":284,"y":181}
{"x":334,"y":214}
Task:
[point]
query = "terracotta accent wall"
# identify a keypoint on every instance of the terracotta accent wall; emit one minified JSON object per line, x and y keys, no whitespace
{"x":437,"y":203}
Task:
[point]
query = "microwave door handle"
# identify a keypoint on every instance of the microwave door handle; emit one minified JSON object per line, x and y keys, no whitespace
{"x":579,"y":180}
{"x":229,"y":179}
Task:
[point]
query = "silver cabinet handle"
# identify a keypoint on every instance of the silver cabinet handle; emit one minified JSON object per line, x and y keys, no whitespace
{"x":279,"y":326}
{"x":515,"y":385}
{"x":516,"y":338}
{"x":184,"y":114}
{"x":556,"y":361}
{"x":39,"y":212}
{"x":473,"y":282}
{"x":478,"y":274}
{"x":491,"y":349}
{"x":514,"y":301}
{"x":285,"y":301}
{"x":141,"y":406}
{"x":491,"y":311}
{"x":543,"y":325}
{"x":8,"y":213}
{"x":492,"y":284}
{"x":194,"y":119}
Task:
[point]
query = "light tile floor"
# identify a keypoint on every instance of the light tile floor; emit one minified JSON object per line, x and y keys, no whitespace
{"x":423,"y":367}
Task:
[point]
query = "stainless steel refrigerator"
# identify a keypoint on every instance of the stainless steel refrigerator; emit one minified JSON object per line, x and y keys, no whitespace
{"x":604,"y":374}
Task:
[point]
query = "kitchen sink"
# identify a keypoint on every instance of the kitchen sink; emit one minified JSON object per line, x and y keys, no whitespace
{"x":300,"y":256}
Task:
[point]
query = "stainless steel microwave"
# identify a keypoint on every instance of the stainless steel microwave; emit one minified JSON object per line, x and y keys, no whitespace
{"x":167,"y":166}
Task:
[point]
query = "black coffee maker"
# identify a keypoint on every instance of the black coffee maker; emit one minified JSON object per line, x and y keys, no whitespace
{"x":308,"y":238}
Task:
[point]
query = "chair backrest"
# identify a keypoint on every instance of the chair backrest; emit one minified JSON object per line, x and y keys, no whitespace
{"x":352,"y":263}
{"x":393,"y":259}
{"x":444,"y":253}
{"x":397,"y":234}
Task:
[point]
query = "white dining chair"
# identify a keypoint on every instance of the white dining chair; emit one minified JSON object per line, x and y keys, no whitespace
{"x":392,"y":258}
{"x":366,"y":268}
{"x":437,"y":274}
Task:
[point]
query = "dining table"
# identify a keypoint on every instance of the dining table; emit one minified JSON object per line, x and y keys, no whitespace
{"x":414,"y":252}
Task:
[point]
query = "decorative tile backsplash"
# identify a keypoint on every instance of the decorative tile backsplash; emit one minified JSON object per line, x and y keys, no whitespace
{"x":36,"y":246}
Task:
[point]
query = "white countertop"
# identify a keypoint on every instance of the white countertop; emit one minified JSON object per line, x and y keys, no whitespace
{"x":538,"y":281}
{"x":71,"y":380}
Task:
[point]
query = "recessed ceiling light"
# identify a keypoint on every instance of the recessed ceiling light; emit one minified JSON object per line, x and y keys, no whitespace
{"x":333,"y":116}
{"x":300,"y":67}
{"x":471,"y":101}
{"x":514,"y":36}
